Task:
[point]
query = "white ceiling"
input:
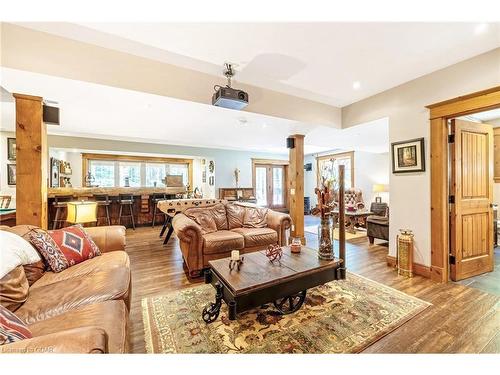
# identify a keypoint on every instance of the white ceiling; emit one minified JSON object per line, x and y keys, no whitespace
{"x":98,"y":111}
{"x":319,"y":61}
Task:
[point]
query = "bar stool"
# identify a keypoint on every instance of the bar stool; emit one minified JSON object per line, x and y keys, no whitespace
{"x":126,"y":200}
{"x":60,"y":203}
{"x":103,"y":201}
{"x":155,"y":198}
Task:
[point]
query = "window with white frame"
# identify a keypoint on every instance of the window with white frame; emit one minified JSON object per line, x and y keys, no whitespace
{"x":328,"y":167}
{"x":121,"y":173}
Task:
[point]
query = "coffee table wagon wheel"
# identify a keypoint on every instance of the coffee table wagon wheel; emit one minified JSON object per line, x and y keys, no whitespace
{"x":291,"y":303}
{"x":211,"y":312}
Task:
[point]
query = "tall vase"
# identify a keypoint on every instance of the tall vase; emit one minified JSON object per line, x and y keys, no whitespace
{"x":325,"y":242}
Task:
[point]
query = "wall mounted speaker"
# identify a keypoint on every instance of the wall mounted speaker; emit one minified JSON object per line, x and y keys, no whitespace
{"x":290,"y":142}
{"x":308,"y":167}
{"x":50,"y":115}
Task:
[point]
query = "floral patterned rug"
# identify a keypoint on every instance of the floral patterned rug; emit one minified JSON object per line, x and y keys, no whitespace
{"x":339,"y":317}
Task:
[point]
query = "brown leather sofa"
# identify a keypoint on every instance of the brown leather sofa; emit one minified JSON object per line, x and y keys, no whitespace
{"x":377,"y":225}
{"x":83,"y":309}
{"x":237,"y":227}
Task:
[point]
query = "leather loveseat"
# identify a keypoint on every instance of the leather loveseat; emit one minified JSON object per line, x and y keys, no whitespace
{"x":83,"y":309}
{"x":208,"y":233}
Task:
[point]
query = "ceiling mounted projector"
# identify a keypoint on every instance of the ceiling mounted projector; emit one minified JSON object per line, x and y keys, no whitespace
{"x":227,"y":97}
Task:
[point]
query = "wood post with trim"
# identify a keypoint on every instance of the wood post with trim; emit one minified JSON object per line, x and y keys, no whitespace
{"x":31,"y":161}
{"x":296,"y":186}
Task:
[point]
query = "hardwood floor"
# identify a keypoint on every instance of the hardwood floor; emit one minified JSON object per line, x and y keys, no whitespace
{"x":462,"y":319}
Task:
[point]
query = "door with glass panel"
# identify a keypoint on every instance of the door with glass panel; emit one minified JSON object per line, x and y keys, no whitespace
{"x":270,"y":190}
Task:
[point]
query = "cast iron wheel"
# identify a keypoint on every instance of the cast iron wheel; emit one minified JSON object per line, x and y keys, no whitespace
{"x":290,"y":304}
{"x":211,"y":312}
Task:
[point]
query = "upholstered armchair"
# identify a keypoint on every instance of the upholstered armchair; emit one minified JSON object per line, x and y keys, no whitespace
{"x":377,"y":225}
{"x":352,"y":197}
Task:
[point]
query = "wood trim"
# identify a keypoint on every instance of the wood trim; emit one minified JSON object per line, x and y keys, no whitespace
{"x":466,"y":104}
{"x":439,"y":114}
{"x":337,"y":155}
{"x":135,"y":158}
{"x":418,"y":269}
{"x":27,"y":97}
{"x":439,"y":198}
{"x":270,"y":161}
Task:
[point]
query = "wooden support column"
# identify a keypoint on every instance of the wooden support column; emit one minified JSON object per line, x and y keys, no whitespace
{"x":296,"y":187}
{"x":31,"y":161}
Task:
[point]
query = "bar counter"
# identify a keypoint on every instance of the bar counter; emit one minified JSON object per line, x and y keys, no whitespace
{"x":143,"y":207}
{"x":114,"y":191}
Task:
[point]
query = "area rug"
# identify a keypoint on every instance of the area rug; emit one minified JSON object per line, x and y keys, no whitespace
{"x":339,"y":317}
{"x":348,"y":236}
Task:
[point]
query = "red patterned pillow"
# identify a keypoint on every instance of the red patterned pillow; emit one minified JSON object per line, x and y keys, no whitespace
{"x":12,"y":328}
{"x":63,"y":248}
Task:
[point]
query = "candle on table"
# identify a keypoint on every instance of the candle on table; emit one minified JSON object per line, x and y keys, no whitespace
{"x":235,"y":255}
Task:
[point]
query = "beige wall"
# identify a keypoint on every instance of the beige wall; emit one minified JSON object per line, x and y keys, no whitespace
{"x":408,"y":118}
{"x":53,"y":55}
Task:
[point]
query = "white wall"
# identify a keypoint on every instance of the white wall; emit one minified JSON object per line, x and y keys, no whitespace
{"x":408,"y":118}
{"x":4,"y":188}
{"x":369,"y":169}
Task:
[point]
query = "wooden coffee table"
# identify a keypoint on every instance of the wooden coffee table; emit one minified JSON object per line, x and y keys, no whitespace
{"x":351,"y":218}
{"x":259,"y":281}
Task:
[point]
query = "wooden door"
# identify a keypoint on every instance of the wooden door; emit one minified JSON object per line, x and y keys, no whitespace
{"x":270,"y":185}
{"x":471,"y":221}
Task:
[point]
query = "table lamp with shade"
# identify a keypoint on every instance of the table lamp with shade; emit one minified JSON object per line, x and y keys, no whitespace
{"x":81,"y":212}
{"x":379,"y":188}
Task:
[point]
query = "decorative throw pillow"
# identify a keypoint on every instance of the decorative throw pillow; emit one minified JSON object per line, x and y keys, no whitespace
{"x":16,"y":251}
{"x":255,"y":217}
{"x":33,"y":271}
{"x":12,"y":328}
{"x":203,"y":217}
{"x":63,"y":248}
{"x":235,"y":215}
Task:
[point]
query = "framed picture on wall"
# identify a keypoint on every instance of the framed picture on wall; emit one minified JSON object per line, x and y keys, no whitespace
{"x":11,"y":148}
{"x":408,"y":156}
{"x":11,"y":174}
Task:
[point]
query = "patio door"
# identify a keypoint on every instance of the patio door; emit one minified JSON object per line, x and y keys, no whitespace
{"x":270,"y":185}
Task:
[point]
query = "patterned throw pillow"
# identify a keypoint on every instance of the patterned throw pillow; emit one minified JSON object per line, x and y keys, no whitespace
{"x":12,"y":328}
{"x":63,"y":248}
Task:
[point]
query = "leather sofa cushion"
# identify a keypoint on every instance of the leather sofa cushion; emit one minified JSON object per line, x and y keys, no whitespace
{"x":255,"y":217}
{"x":235,"y":215}
{"x":108,"y":315}
{"x":203,"y":217}
{"x":105,"y":262}
{"x":380,"y":220}
{"x":222,"y":241}
{"x":54,"y":299}
{"x":219,"y":214}
{"x":14,"y":289}
{"x":257,"y":236}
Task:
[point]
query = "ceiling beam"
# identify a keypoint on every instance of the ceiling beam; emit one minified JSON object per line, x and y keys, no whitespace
{"x":53,"y":55}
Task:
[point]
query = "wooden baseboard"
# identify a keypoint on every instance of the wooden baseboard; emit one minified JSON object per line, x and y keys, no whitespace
{"x":418,"y":269}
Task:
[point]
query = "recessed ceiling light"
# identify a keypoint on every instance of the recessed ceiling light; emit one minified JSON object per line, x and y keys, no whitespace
{"x":356,"y":85}
{"x":264,"y":125}
{"x":481,"y":28}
